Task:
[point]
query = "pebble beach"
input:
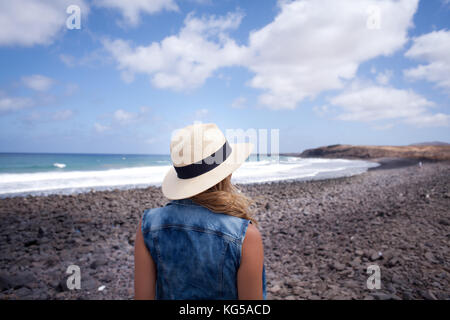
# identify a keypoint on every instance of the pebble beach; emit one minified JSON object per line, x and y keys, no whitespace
{"x":319,"y":237}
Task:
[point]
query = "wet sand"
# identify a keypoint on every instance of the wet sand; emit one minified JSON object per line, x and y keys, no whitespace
{"x":319,"y":237}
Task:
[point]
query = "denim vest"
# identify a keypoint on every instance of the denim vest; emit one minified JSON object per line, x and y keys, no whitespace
{"x":197,"y":252}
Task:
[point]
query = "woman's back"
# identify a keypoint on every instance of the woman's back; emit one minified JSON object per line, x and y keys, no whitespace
{"x":197,"y":252}
{"x":186,"y":250}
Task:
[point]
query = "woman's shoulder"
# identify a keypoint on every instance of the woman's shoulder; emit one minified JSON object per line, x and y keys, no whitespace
{"x":189,"y":215}
{"x":252,"y":234}
{"x":152,"y":217}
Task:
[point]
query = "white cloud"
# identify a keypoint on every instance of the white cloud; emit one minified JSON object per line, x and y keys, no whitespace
{"x":10,"y":104}
{"x":121,"y":119}
{"x":430,"y":120}
{"x":185,"y":60}
{"x":70,"y":89}
{"x":384,"y":77}
{"x":378,"y":103}
{"x":32,"y":118}
{"x":205,"y":2}
{"x":42,"y":117}
{"x":68,"y":60}
{"x":144,"y":110}
{"x":433,"y":48}
{"x":94,"y":59}
{"x":382,"y":127}
{"x":37,"y":82}
{"x":123,"y":116}
{"x":321,"y":111}
{"x":62,"y":115}
{"x":34,"y":22}
{"x":131,"y":10}
{"x":239,"y":103}
{"x":225,"y":78}
{"x":313,"y":45}
{"x":201,"y":113}
{"x":100,"y":128}
{"x":372,"y":103}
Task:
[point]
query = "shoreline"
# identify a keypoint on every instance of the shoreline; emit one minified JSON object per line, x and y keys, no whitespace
{"x":319,"y":236}
{"x":396,"y":163}
{"x":383,"y":163}
{"x":15,"y":187}
{"x":70,"y":191}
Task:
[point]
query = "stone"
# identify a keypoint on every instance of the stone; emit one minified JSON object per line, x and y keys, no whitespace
{"x":407,"y":295}
{"x":61,"y":286}
{"x":32,"y":242}
{"x":428,"y":295}
{"x":275,"y":289}
{"x":430,"y":257}
{"x":356,"y":262}
{"x":393,"y":262}
{"x":89,"y":284}
{"x":341,"y":297}
{"x":338,"y":266}
{"x":375,"y":256}
{"x":382,"y":296}
{"x":22,"y":292}
{"x":6,"y":281}
{"x":41,"y":232}
{"x":98,"y":263}
{"x":25,"y":279}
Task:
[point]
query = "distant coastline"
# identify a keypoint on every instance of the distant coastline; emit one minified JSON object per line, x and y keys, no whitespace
{"x":420,"y":152}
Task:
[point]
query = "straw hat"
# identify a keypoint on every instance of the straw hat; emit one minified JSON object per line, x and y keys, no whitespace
{"x":201,"y":157}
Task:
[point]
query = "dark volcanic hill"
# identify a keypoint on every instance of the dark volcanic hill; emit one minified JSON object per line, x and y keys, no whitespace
{"x":425,"y":152}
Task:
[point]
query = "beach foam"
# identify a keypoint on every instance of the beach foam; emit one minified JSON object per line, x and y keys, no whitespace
{"x":287,"y":168}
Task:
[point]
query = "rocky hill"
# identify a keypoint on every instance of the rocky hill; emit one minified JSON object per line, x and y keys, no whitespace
{"x":425,"y":152}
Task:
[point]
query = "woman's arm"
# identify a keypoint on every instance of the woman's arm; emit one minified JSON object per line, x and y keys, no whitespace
{"x":144,"y":270}
{"x":249,"y":277}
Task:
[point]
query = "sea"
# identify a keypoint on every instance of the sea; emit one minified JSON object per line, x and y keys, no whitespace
{"x":23,"y":174}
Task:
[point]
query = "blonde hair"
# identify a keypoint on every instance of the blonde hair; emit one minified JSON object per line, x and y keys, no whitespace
{"x":225,"y":198}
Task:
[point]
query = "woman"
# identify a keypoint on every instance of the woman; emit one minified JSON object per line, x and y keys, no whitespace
{"x":204,"y":243}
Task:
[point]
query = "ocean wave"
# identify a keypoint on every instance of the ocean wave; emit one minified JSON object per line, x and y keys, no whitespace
{"x":59,"y":165}
{"x":250,"y":172}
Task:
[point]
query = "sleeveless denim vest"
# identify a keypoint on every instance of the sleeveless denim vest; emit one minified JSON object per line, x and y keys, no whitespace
{"x":197,"y":252}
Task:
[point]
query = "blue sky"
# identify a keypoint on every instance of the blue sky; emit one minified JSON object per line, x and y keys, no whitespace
{"x":322,"y":72}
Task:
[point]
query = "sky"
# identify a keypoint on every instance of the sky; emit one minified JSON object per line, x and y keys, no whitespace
{"x":321,"y":72}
